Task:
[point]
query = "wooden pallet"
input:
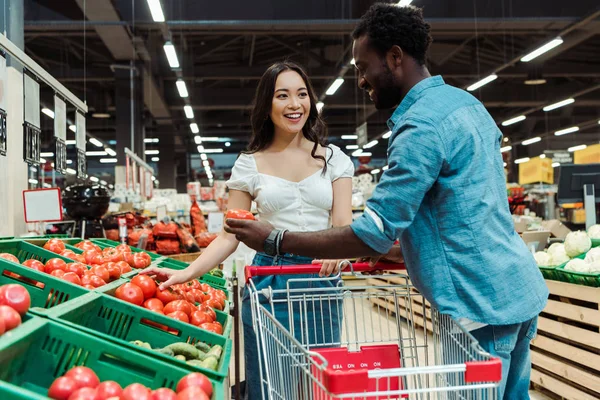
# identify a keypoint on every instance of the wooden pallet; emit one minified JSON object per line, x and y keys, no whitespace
{"x":566,"y":353}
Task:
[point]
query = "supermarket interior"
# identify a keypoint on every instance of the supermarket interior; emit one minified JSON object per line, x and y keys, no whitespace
{"x":272,"y":199}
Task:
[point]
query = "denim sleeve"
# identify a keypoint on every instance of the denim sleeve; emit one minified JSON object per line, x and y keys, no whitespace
{"x":415,"y":155}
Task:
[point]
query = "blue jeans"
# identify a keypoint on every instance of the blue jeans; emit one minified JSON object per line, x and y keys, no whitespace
{"x":328,"y":324}
{"x":510,"y":343}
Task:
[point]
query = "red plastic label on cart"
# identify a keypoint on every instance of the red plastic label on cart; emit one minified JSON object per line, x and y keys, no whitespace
{"x":347,"y":371}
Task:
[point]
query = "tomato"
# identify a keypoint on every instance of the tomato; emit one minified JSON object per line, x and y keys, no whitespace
{"x":147,"y":285}
{"x":193,"y":393}
{"x":92,"y":257}
{"x":10,"y":316}
{"x":108,"y":389}
{"x":239,"y":214}
{"x":195,"y":379}
{"x":2,"y":327}
{"x":84,"y":393}
{"x":125,"y":268}
{"x":219,"y":293}
{"x":123,"y":248}
{"x":54,"y":245}
{"x":101,"y":271}
{"x":35,"y":264}
{"x":208,"y":310}
{"x":84,"y":377}
{"x":130,"y":293}
{"x":154,"y":305}
{"x":77,"y":268}
{"x":72,"y":277}
{"x":206,"y":288}
{"x":136,"y":391}
{"x":214,"y":303}
{"x":164,"y":394}
{"x":59,"y":273}
{"x":167,"y":295}
{"x":197,"y":294}
{"x":86,"y":280}
{"x":62,"y":388}
{"x":88,"y":245}
{"x":128,"y":258}
{"x":199,"y":317}
{"x":114,"y":271}
{"x":141,"y":260}
{"x":79,"y":258}
{"x":68,"y":253}
{"x":110,"y":254}
{"x":96,"y":281}
{"x":9,"y":257}
{"x":179,"y":305}
{"x":215,"y":327}
{"x":189,"y":297}
{"x":55,"y":263}
{"x":15,"y":296}
{"x":179,"y":315}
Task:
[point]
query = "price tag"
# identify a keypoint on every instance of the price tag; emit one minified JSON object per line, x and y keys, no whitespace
{"x":123,"y":230}
{"x":42,"y":205}
{"x":215,"y":222}
{"x":31,"y":143}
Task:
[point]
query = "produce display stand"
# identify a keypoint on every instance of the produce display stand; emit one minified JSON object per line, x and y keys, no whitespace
{"x":40,"y":350}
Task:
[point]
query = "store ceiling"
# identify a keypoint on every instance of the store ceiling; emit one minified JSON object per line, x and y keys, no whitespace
{"x":224,"y":47}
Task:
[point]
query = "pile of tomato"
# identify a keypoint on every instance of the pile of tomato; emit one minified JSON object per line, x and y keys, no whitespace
{"x":191,"y":302}
{"x":82,"y":383}
{"x":14,"y":303}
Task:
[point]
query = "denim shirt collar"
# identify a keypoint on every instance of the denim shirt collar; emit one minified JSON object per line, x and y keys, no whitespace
{"x":412,"y":96}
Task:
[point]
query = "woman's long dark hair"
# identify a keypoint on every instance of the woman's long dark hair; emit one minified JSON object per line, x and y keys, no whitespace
{"x":263,"y":129}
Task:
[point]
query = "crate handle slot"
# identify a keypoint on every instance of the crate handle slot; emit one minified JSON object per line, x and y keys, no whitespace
{"x":123,"y":364}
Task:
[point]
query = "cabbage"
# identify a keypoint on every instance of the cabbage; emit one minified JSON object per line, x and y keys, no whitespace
{"x":577,"y":243}
{"x":542,"y":259}
{"x":593,"y":255}
{"x":577,"y":265}
{"x":558,"y":254}
{"x":594,"y":232}
{"x":556,"y":247}
{"x":594,"y":267}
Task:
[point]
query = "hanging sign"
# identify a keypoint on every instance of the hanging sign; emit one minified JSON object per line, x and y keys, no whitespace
{"x":361,"y":135}
{"x":42,"y":205}
{"x":589,"y":155}
{"x":2,"y":105}
{"x":60,"y":135}
{"x":148,"y":184}
{"x":31,"y":126}
{"x":80,"y":144}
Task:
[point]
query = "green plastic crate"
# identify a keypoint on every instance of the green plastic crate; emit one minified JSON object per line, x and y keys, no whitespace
{"x":121,"y":322}
{"x":24,"y":250}
{"x":549,"y":273}
{"x":579,"y":278}
{"x":595,"y":242}
{"x":44,"y":350}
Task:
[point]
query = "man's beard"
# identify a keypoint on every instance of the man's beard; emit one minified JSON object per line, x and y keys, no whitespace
{"x":388,"y":94}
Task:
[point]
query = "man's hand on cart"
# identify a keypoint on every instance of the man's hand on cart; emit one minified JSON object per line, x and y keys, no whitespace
{"x":167,"y":276}
{"x":328,"y":267}
{"x":252,"y":233}
{"x":393,"y":256}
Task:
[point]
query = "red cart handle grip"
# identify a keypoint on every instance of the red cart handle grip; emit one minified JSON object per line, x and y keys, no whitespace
{"x":252,"y":271}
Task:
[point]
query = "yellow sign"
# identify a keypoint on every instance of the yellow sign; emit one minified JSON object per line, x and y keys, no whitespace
{"x":589,"y":155}
{"x":536,"y":170}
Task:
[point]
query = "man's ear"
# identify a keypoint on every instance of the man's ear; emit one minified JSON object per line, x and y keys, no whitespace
{"x":394,"y":57}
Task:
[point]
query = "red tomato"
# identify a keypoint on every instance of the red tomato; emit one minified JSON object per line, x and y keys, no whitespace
{"x":141,"y":260}
{"x":130,"y":293}
{"x":92,"y":257}
{"x":214,"y":303}
{"x":108,"y":389}
{"x":88,"y":286}
{"x":206,"y":288}
{"x":79,"y":258}
{"x":154,"y":305}
{"x":199,"y":317}
{"x":195,"y":379}
{"x":68,"y":253}
{"x":198,"y":295}
{"x":179,"y":305}
{"x":147,"y":285}
{"x":62,"y":388}
{"x":84,"y":377}
{"x":84,"y":393}
{"x":239,"y":214}
{"x":77,"y":268}
{"x":72,"y":277}
{"x":164,"y":394}
{"x":123,"y":248}
{"x":96,"y":281}
{"x":136,"y":391}
{"x":114,"y":271}
{"x":208,"y":310}
{"x":2,"y":327}
{"x":54,"y":264}
{"x":167,"y":295}
{"x":15,"y":296}
{"x":35,"y":264}
{"x":86,"y":280}
{"x":212,"y":327}
{"x":54,"y":245}
{"x":190,"y":298}
{"x":88,"y":245}
{"x":111,"y":254}
{"x":128,"y":257}
{"x":59,"y":273}
{"x":10,"y":316}
{"x":179,"y":315}
{"x":9,"y":257}
{"x":101,"y":271}
{"x":193,"y":393}
{"x":125,"y":268}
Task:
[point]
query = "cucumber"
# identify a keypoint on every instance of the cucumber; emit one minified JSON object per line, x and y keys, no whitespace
{"x":203,"y":347}
{"x":180,"y":358}
{"x":195,"y":363}
{"x":166,"y":351}
{"x":184,"y":349}
{"x":216,"y":351}
{"x":210,"y":363}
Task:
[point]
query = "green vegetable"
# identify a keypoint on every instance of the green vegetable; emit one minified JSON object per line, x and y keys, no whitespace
{"x":210,"y":363}
{"x":185,"y":349}
{"x":180,"y":357}
{"x":195,"y":363}
{"x":216,"y":351}
{"x":203,"y":347}
{"x":141,"y":344}
{"x":166,"y":351}
{"x":216,"y":272}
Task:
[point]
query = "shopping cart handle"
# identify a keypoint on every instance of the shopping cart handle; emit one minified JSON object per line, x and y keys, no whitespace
{"x":252,"y":271}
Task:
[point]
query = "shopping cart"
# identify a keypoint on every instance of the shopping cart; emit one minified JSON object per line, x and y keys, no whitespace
{"x":370,"y":340}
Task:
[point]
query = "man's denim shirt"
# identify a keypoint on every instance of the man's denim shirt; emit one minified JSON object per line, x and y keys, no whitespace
{"x":444,"y":196}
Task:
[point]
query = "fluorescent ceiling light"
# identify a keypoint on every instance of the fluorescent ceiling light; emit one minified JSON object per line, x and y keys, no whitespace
{"x":96,"y":142}
{"x":71,"y":171}
{"x":386,"y":168}
{"x":227,"y":144}
{"x":69,"y":162}
{"x":334,"y":86}
{"x":108,"y":160}
{"x":151,"y":140}
{"x":533,"y":82}
{"x":352,"y":147}
{"x":349,"y":137}
{"x":530,"y":141}
{"x":366,"y":154}
{"x":70,"y":142}
{"x":182,"y":88}
{"x":94,"y":179}
{"x":198,"y":139}
{"x":155,"y":159}
{"x":153,"y":178}
{"x":375,"y":171}
{"x":566,"y":130}
{"x":46,"y":154}
{"x":353,"y":61}
{"x":156,"y":10}
{"x":95,"y":153}
{"x":48,"y":112}
{"x":522,"y":160}
{"x":576,"y":148}
{"x":213,"y":150}
{"x":103,"y":183}
{"x":171,"y":55}
{"x":200,"y":149}
{"x":559,"y":104}
{"x":514,"y":120}
{"x":542,"y":156}
{"x":206,"y":163}
{"x":387,"y":135}
{"x":482,"y":82}
{"x":505,"y":139}
{"x":357,"y":153}
{"x":151,"y":152}
{"x":211,"y":139}
{"x":543,"y":49}
{"x":34,"y":181}
{"x":404,"y":3}
{"x":47,"y":185}
{"x":43,"y":160}
{"x":203,"y":156}
{"x":73,"y":128}
{"x":556,"y":164}
{"x":112,"y":187}
{"x":372,"y":143}
{"x":194,"y":127}
{"x":101,"y":115}
{"x":320,"y":106}
{"x":505,"y":149}
{"x":110,"y":151}
{"x":189,"y":112}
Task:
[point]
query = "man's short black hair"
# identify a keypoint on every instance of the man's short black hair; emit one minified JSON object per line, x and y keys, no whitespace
{"x":387,"y":25}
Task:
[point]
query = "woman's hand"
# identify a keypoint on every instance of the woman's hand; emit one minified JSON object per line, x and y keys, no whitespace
{"x":167,"y":276}
{"x":329,"y":267}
